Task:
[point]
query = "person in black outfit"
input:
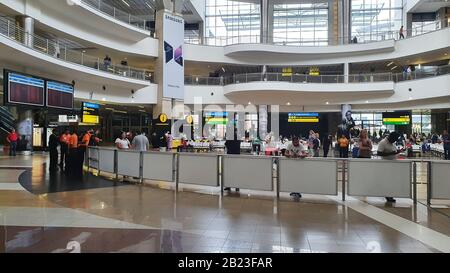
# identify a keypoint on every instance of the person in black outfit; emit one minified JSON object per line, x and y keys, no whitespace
{"x":63,"y":141}
{"x":327,"y":143}
{"x":233,"y":148}
{"x":53,"y":147}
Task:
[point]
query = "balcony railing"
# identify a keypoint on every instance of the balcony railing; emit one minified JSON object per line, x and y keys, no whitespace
{"x":117,"y":14}
{"x":9,"y":30}
{"x":278,"y":40}
{"x":302,"y":78}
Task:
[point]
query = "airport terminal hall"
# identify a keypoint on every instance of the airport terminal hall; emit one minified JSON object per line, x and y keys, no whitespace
{"x":245,"y":130}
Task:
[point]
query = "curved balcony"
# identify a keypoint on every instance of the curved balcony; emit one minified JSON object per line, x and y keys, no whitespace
{"x":103,"y":7}
{"x":308,"y":42}
{"x":9,"y":30}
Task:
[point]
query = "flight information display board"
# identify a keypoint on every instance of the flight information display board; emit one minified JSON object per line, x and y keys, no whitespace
{"x":60,"y":95}
{"x":91,"y":113}
{"x":23,"y":89}
{"x":216,"y":118}
{"x":303,"y":117}
{"x":396,"y":118}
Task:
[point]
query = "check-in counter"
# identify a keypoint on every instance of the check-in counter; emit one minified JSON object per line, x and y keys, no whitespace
{"x":440,"y":180}
{"x":379,"y":178}
{"x":198,"y":169}
{"x":311,"y":176}
{"x":158,"y":166}
{"x":247,"y":172}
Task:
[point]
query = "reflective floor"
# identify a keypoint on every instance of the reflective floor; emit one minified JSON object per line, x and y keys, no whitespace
{"x":40,"y":212}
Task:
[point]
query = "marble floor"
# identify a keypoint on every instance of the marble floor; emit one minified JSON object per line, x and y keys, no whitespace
{"x":47,"y":213}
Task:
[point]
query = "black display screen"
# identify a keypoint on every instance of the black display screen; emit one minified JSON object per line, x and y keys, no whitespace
{"x":24,"y":89}
{"x":60,"y":95}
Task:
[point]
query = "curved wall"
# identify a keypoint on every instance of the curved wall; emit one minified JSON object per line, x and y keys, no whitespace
{"x":87,"y":24}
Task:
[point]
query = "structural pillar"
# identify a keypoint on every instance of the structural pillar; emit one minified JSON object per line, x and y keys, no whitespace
{"x":27,"y":24}
{"x":264,"y":21}
{"x":263,"y":117}
{"x":346,"y":72}
{"x":345,"y":25}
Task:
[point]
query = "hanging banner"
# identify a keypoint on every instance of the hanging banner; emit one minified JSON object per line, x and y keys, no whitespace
{"x":173,"y":57}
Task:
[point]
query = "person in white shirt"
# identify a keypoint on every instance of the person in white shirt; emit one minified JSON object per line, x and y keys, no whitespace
{"x":122,"y":142}
{"x":388,"y":150}
{"x":140,"y":142}
{"x":295,"y":150}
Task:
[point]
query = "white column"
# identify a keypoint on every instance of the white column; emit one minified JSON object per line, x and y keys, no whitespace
{"x":27,"y":24}
{"x":346,"y":72}
{"x":264,"y":21}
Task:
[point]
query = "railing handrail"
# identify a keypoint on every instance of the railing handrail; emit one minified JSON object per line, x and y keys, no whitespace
{"x":256,"y":38}
{"x":116,"y":11}
{"x":60,"y":51}
{"x":339,"y":78}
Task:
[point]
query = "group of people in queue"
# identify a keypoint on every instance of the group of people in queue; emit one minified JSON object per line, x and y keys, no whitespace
{"x":73,"y":149}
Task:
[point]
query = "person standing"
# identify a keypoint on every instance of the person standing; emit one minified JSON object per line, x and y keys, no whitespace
{"x":12,"y":139}
{"x":446,"y":141}
{"x":82,"y":150}
{"x":388,"y":150}
{"x":295,"y":150}
{"x":122,"y":142}
{"x":64,"y":144}
{"x":169,"y":139}
{"x":400,"y":32}
{"x":365,"y":145}
{"x":73,"y":153}
{"x":327,"y":143}
{"x":316,"y":146}
{"x":343,"y":146}
{"x":140,"y":142}
{"x":53,"y":144}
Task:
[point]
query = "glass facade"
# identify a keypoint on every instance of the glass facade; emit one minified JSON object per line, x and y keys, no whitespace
{"x":374,"y":20}
{"x":300,"y":24}
{"x":232,"y":22}
{"x":421,"y":123}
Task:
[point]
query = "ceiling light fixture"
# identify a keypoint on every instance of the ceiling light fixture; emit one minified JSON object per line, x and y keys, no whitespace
{"x":394,"y":67}
{"x":389,"y":64}
{"x":125,"y":2}
{"x":288,"y":103}
{"x":327,"y":103}
{"x":367,"y":101}
{"x":223,"y":69}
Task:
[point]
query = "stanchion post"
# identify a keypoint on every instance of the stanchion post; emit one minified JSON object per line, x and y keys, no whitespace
{"x":414,"y":182}
{"x":116,"y":167}
{"x":429,"y":183}
{"x":222,"y":176}
{"x":218,"y":170}
{"x":343,"y":179}
{"x":141,"y":167}
{"x":277,"y":164}
{"x":176,"y":169}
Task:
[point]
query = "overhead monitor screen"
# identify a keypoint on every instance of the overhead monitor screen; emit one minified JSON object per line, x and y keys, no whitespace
{"x":216,"y":118}
{"x":303,"y":117}
{"x":24,"y":89}
{"x":396,"y":118}
{"x":60,"y":95}
{"x":91,"y":113}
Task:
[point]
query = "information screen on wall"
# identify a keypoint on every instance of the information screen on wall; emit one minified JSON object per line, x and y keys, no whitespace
{"x":91,"y":113}
{"x":303,"y":117}
{"x":396,"y":118}
{"x":60,"y":95}
{"x":216,"y":118}
{"x":23,"y":89}
{"x":173,"y":66}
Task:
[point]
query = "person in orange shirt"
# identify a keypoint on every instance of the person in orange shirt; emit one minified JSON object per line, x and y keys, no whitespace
{"x":64,"y":142}
{"x":73,"y":153}
{"x":343,"y":143}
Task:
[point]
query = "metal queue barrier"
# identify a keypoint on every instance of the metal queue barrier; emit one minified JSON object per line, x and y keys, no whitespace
{"x":247,"y":172}
{"x":310,"y":176}
{"x":365,"y":177}
{"x":380,"y":178}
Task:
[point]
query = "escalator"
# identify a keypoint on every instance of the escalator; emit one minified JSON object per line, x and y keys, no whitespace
{"x":7,"y":120}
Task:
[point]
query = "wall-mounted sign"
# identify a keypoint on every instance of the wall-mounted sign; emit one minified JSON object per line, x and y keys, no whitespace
{"x":23,"y":89}
{"x":60,"y":95}
{"x":396,"y":118}
{"x":91,"y":113}
{"x":163,"y":118}
{"x":303,"y":117}
{"x":314,"y":71}
{"x":215,"y":118}
{"x":287,"y":72}
{"x":189,"y":119}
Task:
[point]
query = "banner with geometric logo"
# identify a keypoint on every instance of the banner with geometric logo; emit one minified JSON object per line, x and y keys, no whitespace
{"x":173,"y":65}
